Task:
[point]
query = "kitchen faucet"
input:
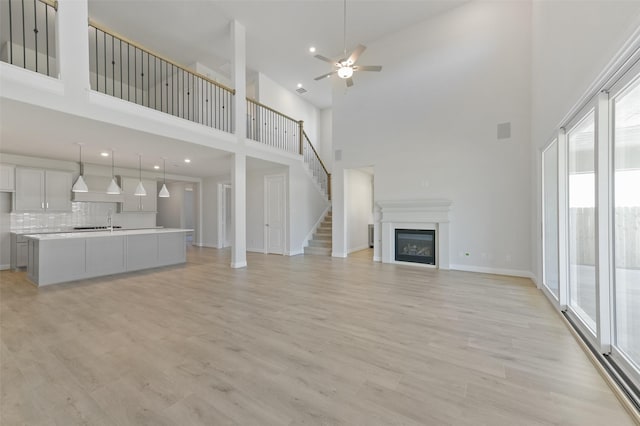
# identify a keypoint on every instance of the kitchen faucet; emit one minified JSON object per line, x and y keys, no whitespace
{"x":110,"y":220}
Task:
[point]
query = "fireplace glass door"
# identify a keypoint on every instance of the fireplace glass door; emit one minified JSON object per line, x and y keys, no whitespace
{"x":416,"y":245}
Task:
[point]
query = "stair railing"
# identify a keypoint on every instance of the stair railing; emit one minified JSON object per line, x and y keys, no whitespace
{"x":316,"y":165}
{"x":273,"y":128}
{"x":124,"y":69}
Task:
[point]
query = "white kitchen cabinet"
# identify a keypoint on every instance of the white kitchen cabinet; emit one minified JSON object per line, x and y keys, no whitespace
{"x":40,"y":190}
{"x":136,"y":204}
{"x":7,"y":178}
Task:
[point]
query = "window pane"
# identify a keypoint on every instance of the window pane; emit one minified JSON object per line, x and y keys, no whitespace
{"x":550,"y":194}
{"x":627,"y":222}
{"x":582,"y":221}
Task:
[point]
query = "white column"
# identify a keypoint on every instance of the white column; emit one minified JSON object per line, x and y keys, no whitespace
{"x":239,"y":80}
{"x":239,"y":166}
{"x":339,"y":231}
{"x":72,"y":37}
{"x":239,"y":210}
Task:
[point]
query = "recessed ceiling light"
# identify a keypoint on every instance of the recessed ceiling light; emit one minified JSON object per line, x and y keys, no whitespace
{"x":186,"y":160}
{"x":312,"y":49}
{"x":104,"y":154}
{"x":299,"y":85}
{"x":156,"y":167}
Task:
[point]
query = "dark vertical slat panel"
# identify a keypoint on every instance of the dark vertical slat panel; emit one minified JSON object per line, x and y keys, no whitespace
{"x":97,"y":85}
{"x":35,"y":30}
{"x":104,"y":52}
{"x":10,"y":35}
{"x":24,"y":44}
{"x":46,"y":39}
{"x":120,"y":53}
{"x":113,"y":67}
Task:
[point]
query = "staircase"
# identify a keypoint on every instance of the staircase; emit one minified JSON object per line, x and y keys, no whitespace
{"x":321,"y":242}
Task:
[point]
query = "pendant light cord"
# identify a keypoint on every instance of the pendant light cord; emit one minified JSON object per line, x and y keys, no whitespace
{"x":345,"y":28}
{"x":164,"y":172}
{"x":81,"y":166}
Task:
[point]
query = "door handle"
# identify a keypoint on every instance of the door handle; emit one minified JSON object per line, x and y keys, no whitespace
{"x":42,"y":205}
{"x":47,"y":205}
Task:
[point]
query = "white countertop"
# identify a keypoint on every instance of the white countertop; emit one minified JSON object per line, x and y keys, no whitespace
{"x":69,"y":229}
{"x":115,"y":233}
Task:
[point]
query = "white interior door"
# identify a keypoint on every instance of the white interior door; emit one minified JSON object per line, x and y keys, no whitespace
{"x":274,"y":213}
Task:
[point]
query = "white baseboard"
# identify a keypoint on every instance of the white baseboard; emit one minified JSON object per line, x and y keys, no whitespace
{"x":205,"y":244}
{"x":336,"y":254}
{"x":5,"y":267}
{"x":295,"y":252}
{"x":237,"y":265}
{"x":351,"y":250}
{"x":377,"y":259}
{"x":255,"y":250}
{"x":496,"y":271}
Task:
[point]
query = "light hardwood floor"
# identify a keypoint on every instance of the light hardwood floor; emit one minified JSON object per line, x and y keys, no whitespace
{"x":292,"y":340}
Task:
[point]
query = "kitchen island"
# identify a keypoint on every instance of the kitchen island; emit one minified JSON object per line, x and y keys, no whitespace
{"x":62,"y":257}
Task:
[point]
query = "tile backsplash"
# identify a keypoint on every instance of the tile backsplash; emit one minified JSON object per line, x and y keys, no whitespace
{"x":82,"y":214}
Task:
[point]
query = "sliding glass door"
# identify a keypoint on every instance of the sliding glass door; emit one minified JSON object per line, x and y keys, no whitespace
{"x":582,"y":220}
{"x":626,"y":221}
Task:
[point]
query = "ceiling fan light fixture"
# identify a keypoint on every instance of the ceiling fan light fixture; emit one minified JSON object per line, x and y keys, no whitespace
{"x":345,"y":71}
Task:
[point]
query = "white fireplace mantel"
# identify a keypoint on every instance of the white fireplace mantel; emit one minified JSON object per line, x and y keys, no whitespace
{"x":415,"y":214}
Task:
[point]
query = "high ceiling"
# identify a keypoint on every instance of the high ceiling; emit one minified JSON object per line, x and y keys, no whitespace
{"x":279,"y":33}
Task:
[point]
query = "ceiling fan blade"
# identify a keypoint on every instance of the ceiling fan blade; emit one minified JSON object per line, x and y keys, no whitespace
{"x":368,"y":68}
{"x":356,"y":54}
{"x":325,"y":75}
{"x":349,"y":82}
{"x":324,"y":58}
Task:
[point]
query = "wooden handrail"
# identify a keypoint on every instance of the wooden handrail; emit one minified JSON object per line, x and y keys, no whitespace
{"x":97,"y":26}
{"x":253,"y":101}
{"x":316,"y":153}
{"x":52,"y":3}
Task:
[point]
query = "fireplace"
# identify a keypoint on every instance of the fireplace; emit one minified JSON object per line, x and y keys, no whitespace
{"x":422,"y":215}
{"x":416,"y":245}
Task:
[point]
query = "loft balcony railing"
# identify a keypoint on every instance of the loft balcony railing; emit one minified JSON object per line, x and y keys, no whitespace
{"x":28,"y":35}
{"x":122,"y":68}
{"x":273,"y":128}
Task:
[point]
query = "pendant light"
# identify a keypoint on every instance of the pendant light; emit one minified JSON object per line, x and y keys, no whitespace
{"x":80,"y":185}
{"x":164,"y":192}
{"x":113,"y":188}
{"x":140,"y":191}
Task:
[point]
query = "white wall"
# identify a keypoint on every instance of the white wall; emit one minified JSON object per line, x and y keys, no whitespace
{"x":210,"y":209}
{"x":572,"y":43}
{"x":359,"y":204}
{"x":307,"y":206}
{"x":427,"y":123}
{"x":289,"y":103}
{"x":325,"y":142}
{"x":170,"y":210}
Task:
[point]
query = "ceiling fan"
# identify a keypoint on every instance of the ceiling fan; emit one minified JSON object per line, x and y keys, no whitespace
{"x":346,"y":66}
